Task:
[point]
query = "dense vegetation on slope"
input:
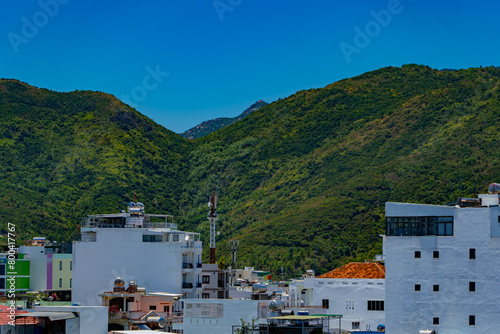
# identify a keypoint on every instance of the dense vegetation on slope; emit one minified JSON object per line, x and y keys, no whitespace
{"x":302,"y":181}
{"x":63,"y":155}
{"x":207,"y":127}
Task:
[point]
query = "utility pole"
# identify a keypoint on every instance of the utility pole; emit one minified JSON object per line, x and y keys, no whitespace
{"x":212,"y":217}
{"x":234,"y":247}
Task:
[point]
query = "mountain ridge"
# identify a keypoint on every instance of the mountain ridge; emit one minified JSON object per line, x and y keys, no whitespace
{"x":302,"y":181}
{"x":207,"y":127}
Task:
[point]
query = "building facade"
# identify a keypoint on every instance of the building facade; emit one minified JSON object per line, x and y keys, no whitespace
{"x":443,"y":266}
{"x":19,"y":269}
{"x":355,"y":290}
{"x":135,"y":246}
{"x":215,"y":282}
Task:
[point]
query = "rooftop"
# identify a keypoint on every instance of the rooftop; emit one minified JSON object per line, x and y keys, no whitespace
{"x":357,"y":270}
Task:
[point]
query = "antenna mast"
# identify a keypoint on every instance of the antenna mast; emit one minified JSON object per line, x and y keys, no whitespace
{"x":234,"y":246}
{"x":212,"y":217}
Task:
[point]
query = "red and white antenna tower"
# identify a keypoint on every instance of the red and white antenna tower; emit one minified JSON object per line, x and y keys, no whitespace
{"x":212,"y":216}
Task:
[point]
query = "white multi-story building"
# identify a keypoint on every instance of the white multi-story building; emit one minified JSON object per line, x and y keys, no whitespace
{"x":356,"y":291}
{"x":443,"y":266}
{"x":134,"y":247}
{"x":218,"y":316}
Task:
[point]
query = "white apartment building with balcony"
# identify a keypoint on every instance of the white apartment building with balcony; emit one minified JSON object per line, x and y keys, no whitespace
{"x":443,"y":266}
{"x":135,"y":246}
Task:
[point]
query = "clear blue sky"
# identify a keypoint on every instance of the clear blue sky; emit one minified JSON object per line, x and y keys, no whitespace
{"x":181,"y":62}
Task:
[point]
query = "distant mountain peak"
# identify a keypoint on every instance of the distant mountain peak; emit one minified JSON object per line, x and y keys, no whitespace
{"x":207,"y":127}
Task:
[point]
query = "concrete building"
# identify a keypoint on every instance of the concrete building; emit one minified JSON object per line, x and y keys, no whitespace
{"x":19,"y":269}
{"x":218,"y":316}
{"x":135,"y":246}
{"x":133,"y":305}
{"x":51,"y":267}
{"x":356,"y":291}
{"x":443,"y":266}
{"x":215,"y":282}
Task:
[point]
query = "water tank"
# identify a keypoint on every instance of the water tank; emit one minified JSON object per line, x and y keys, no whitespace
{"x":132,"y":286}
{"x":119,"y":282}
{"x":160,"y":321}
{"x":494,"y":188}
{"x":259,"y":288}
{"x":273,"y":305}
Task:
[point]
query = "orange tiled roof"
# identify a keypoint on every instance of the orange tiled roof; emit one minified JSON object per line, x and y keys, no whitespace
{"x":357,"y":270}
{"x":4,"y":317}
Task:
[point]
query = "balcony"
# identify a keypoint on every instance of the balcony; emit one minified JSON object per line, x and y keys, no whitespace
{"x":187,"y":265}
{"x":198,"y":265}
{"x":187,"y":285}
{"x":199,"y":285}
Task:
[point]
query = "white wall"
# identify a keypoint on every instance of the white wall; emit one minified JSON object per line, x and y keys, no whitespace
{"x":157,"y":266}
{"x":92,"y":319}
{"x":349,"y":298}
{"x":233,"y":311}
{"x":38,"y":266}
{"x":410,"y":311}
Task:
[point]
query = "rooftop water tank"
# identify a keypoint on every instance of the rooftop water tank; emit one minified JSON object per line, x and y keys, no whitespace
{"x":494,"y":188}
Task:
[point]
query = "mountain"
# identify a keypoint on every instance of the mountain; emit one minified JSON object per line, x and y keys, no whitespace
{"x":302,"y":181}
{"x":67,"y":154}
{"x":207,"y":127}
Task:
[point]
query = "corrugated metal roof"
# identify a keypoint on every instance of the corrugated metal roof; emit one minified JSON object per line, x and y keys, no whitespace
{"x":357,"y":270}
{"x":53,"y":316}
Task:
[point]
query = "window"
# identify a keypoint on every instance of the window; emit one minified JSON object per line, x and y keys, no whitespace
{"x":472,"y":254}
{"x":375,"y":305}
{"x":152,"y":307}
{"x":418,"y":226}
{"x":70,"y":282}
{"x":205,"y":296}
{"x":70,"y":265}
{"x":152,"y":238}
{"x":2,"y":269}
{"x":60,"y":282}
{"x":435,"y":254}
{"x":60,"y":265}
{"x":166,"y":309}
{"x":417,"y":287}
{"x":417,"y":254}
{"x":355,"y":325}
{"x":435,"y":321}
{"x":435,"y":287}
{"x":472,"y":286}
{"x":472,"y":320}
{"x":175,"y":237}
{"x":205,"y":279}
{"x":2,"y":283}
{"x":325,"y":303}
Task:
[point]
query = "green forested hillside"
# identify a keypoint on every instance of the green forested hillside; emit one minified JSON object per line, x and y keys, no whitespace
{"x":302,"y":181}
{"x":63,"y":155}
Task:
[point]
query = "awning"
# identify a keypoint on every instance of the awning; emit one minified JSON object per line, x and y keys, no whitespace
{"x":53,"y":316}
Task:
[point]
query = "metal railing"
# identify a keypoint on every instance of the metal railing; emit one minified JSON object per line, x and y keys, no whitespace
{"x":187,"y":285}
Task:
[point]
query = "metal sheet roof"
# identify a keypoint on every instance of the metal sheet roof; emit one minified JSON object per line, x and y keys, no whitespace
{"x":53,"y":316}
{"x":306,"y":317}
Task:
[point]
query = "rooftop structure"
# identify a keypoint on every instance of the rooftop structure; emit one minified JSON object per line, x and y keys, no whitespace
{"x":132,"y":305}
{"x":136,"y":246}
